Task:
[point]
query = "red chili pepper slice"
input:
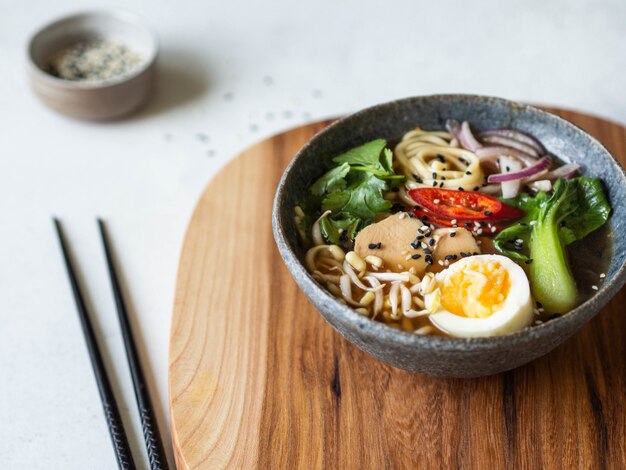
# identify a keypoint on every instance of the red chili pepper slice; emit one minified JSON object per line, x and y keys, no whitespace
{"x":464,"y":206}
{"x":429,"y":218}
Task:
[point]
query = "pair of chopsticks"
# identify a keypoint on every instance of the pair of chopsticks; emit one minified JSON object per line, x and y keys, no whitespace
{"x":152,"y":437}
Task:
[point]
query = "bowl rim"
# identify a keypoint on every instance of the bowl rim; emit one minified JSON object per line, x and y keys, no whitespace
{"x":118,"y":14}
{"x":381,"y":331}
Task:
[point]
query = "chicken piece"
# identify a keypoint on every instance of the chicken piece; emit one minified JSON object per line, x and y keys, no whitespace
{"x":453,"y":246}
{"x":394,"y":235}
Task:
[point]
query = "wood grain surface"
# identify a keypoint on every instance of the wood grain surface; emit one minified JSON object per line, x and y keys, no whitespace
{"x":258,"y":380}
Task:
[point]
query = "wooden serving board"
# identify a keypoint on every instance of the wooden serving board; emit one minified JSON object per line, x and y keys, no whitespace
{"x":258,"y":380}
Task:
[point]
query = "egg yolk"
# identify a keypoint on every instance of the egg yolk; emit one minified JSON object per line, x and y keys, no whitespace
{"x":476,"y":291}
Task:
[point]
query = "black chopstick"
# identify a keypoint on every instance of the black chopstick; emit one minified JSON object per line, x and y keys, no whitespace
{"x":154,"y":445}
{"x":111,"y":412}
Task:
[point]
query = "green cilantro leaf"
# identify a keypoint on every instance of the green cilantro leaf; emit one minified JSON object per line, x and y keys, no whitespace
{"x":332,"y":180}
{"x":364,"y":155}
{"x":353,"y":189}
{"x":332,"y":229}
{"x":363,"y":199}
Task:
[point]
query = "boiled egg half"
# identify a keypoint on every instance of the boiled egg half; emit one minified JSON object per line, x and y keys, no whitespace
{"x":482,"y":295}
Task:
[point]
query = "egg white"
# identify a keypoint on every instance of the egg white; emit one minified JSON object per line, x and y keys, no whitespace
{"x":516,"y":312}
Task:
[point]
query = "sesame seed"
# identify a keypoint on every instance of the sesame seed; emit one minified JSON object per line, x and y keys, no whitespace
{"x":440,"y":262}
{"x":402,"y":216}
{"x":440,"y":158}
{"x":436,"y":201}
{"x":424,"y":245}
{"x":594,"y":287}
{"x":453,"y":234}
{"x":602,"y":276}
{"x":431,"y":242}
{"x":449,"y":257}
{"x":479,"y":231}
{"x":461,"y":189}
{"x":424,"y":218}
{"x":416,"y":256}
{"x":434,"y":175}
{"x":476,"y":188}
{"x":493,"y":229}
{"x":441,"y":184}
{"x":453,"y":221}
{"x":508,"y":169}
{"x":372,"y":246}
{"x":428,"y":251}
{"x":443,"y":177}
{"x":429,"y":259}
{"x":488,"y":213}
{"x":434,"y":184}
{"x":468,"y":172}
{"x":528,"y":261}
{"x":94,"y":60}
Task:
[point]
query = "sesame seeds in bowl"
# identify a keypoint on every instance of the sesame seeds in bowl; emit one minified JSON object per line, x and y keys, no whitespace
{"x":94,"y":61}
{"x":93,"y":65}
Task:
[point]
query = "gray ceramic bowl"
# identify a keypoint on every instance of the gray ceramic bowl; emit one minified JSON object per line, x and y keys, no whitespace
{"x":442,"y":356}
{"x":93,"y":100}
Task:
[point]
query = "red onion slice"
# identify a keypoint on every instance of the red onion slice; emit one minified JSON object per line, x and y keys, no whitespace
{"x":567,"y":172}
{"x":516,"y":135}
{"x":463,"y":134}
{"x":508,"y":142}
{"x":537,"y":176}
{"x":539,"y":165}
{"x":491,"y":152}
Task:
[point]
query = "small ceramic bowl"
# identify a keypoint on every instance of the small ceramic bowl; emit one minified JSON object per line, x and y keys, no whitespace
{"x":93,"y":100}
{"x":436,"y":355}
